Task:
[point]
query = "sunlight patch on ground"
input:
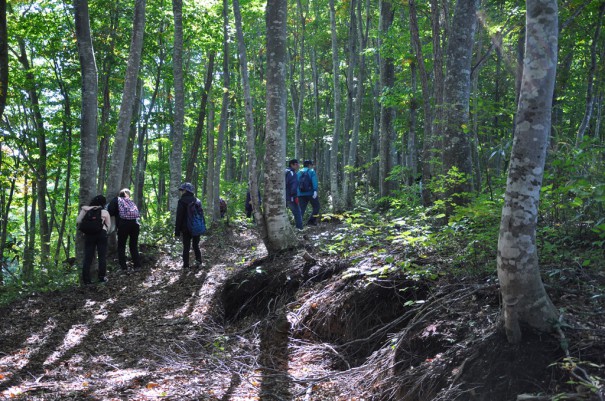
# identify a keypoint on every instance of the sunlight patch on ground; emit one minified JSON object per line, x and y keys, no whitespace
{"x":127,"y":312}
{"x":73,"y":337}
{"x":214,"y":278}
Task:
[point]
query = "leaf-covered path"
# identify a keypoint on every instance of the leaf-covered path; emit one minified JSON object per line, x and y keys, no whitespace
{"x":299,"y":326}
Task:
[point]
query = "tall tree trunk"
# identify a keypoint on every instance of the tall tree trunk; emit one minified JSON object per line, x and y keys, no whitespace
{"x":456,"y":142}
{"x":118,"y":153}
{"x":249,"y":118}
{"x":387,"y":81}
{"x":89,"y":113}
{"x":224,"y":119}
{"x":176,"y":156}
{"x":525,"y":301}
{"x":334,"y":190}
{"x":210,"y":156}
{"x":107,"y":66}
{"x":199,"y":128}
{"x":40,"y":167}
{"x":280,"y":234}
{"x":591,"y":73}
{"x":3,"y":58}
{"x":428,"y":143}
{"x":362,"y":37}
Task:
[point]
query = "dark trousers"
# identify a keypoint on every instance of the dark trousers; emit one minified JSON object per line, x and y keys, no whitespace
{"x":296,"y":213}
{"x":128,"y":230}
{"x":94,"y":242}
{"x":187,"y":239}
{"x":304,"y":201}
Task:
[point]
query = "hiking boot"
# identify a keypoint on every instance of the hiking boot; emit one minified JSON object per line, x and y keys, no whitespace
{"x":197,"y":263}
{"x":103,"y":280}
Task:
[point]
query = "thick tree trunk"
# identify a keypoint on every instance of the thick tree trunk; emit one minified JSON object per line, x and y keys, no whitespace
{"x":456,"y":142}
{"x":280,"y":234}
{"x":525,"y":301}
{"x":118,"y":153}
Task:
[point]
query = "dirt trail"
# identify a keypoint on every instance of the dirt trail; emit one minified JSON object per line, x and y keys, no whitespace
{"x":248,"y":327}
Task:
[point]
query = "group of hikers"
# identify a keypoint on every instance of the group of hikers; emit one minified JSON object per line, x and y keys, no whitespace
{"x":95,"y":220}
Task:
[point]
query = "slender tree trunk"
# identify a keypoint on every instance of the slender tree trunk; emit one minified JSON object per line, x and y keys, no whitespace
{"x":107,"y":66}
{"x":591,"y":73}
{"x":40,"y":168}
{"x":176,"y":155}
{"x":249,"y":118}
{"x":428,"y":155}
{"x":387,"y":80}
{"x":210,"y":158}
{"x":197,"y":136}
{"x":27,"y":271}
{"x":118,"y":153}
{"x":5,"y":203}
{"x":3,"y":60}
{"x":224,"y":120}
{"x":525,"y":301}
{"x":280,"y":234}
{"x":334,"y":190}
{"x":456,"y":142}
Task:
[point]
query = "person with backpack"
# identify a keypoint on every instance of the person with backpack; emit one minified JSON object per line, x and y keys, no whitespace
{"x":307,"y":191}
{"x":94,"y":222}
{"x":292,"y":192}
{"x":187,"y":225}
{"x":127,"y":215}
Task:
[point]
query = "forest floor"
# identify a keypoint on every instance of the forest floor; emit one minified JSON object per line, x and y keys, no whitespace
{"x":298,"y":326}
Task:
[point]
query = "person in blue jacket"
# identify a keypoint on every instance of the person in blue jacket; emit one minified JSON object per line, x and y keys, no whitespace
{"x":308,"y":194}
{"x":292,"y":192}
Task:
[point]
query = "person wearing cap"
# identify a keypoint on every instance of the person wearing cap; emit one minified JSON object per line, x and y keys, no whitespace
{"x":127,"y":215}
{"x":180,"y":228}
{"x":309,"y":196}
{"x":292,"y":192}
{"x":96,"y":242}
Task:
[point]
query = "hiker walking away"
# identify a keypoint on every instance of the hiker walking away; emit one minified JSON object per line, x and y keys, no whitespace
{"x":181,"y":228}
{"x":94,"y":222}
{"x":127,"y":217}
{"x":292,"y":192}
{"x":307,"y":191}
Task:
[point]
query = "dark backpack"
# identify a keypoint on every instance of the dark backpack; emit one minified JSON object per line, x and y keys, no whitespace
{"x":196,"y":223}
{"x":92,"y":222}
{"x":305,"y":184}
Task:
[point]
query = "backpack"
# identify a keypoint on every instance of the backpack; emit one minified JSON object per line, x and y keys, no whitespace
{"x":128,"y":209}
{"x":196,"y":223}
{"x":305,"y":184}
{"x":92,"y":222}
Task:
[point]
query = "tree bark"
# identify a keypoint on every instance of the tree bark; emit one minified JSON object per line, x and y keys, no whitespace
{"x":176,"y":156}
{"x":387,"y":81}
{"x":456,"y":142}
{"x":525,"y":301}
{"x":249,"y":118}
{"x":280,"y":234}
{"x":197,"y":135}
{"x":590,"y":84}
{"x":3,"y":57}
{"x":334,"y":190}
{"x":118,"y":153}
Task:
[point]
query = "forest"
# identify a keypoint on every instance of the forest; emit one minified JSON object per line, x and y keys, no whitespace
{"x":459,"y":250}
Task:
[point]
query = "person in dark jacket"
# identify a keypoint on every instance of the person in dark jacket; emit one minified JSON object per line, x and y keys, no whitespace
{"x":127,"y":217}
{"x":309,"y":196}
{"x":292,"y":192}
{"x":180,"y":228}
{"x":96,"y":242}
